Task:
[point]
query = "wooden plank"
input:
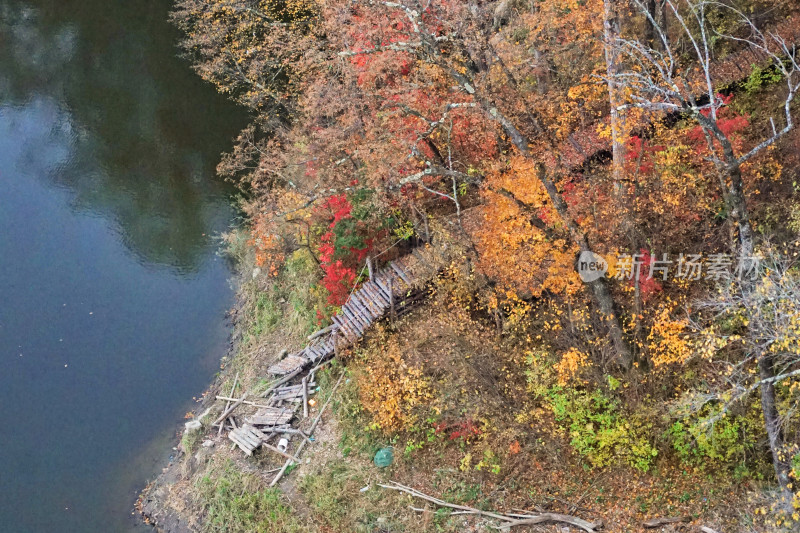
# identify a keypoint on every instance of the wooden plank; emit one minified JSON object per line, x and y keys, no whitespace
{"x":247,"y":436}
{"x":355,"y":320}
{"x":394,"y":285}
{"x":290,"y":388}
{"x":287,"y":388}
{"x":356,"y":328}
{"x":270,"y":416}
{"x":356,"y":316}
{"x":317,"y":351}
{"x":262,"y":437}
{"x":345,"y":328}
{"x":392,"y":311}
{"x":305,"y":397}
{"x":273,"y":411}
{"x":243,"y":445}
{"x":311,"y":353}
{"x":375,"y":300}
{"x":364,"y":308}
{"x":337,"y":319}
{"x":287,"y":395}
{"x":320,"y":349}
{"x":387,"y":292}
{"x":382,"y":297}
{"x":353,"y":305}
{"x":347,"y":321}
{"x":401,"y":274}
{"x":268,"y":420}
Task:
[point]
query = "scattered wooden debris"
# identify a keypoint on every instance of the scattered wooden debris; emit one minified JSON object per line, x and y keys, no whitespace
{"x":240,"y":400}
{"x":310,"y":432}
{"x":391,"y":291}
{"x":247,"y":438}
{"x":270,"y":416}
{"x":508,"y":520}
{"x":304,"y":387}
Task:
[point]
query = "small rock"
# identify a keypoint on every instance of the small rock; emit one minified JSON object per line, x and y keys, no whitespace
{"x":256,"y":272}
{"x":208,"y":443}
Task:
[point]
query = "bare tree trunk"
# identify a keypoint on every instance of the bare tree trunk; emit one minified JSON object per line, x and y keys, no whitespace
{"x":773,"y":425}
{"x":611,"y":33}
{"x":657,"y":9}
{"x":739,"y":213}
{"x":599,"y":287}
{"x":649,"y":27}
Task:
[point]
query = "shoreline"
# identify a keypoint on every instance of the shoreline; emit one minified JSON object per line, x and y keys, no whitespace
{"x":151,"y":506}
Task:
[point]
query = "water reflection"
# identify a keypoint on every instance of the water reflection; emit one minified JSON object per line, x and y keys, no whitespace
{"x":136,"y":153}
{"x":111,"y":295}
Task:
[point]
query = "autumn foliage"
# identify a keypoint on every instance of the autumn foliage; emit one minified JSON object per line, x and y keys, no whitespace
{"x":532,"y":132}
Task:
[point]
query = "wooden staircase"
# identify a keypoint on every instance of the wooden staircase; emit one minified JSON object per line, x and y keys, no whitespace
{"x":392,"y":291}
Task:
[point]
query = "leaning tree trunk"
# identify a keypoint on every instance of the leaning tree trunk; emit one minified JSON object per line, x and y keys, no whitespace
{"x":772,"y":423}
{"x":609,"y":315}
{"x":600,"y":289}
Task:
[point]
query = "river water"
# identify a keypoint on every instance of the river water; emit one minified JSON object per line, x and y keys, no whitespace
{"x":112,"y":295}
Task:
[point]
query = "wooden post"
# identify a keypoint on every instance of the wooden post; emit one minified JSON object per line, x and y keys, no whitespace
{"x":391,"y":300}
{"x":228,"y":404}
{"x":369,"y":268}
{"x":305,"y":397}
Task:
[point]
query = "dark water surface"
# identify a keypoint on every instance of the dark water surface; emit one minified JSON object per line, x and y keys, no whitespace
{"x":112,"y":297}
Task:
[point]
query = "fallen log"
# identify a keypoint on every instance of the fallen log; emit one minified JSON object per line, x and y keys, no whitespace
{"x":509,"y":521}
{"x":321,"y":332}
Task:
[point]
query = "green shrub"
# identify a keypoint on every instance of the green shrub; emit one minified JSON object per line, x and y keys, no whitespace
{"x":598,"y":431}
{"x":729,"y":443}
{"x":761,"y":77}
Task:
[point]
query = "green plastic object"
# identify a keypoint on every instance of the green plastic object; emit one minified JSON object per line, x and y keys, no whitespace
{"x":384,"y":457}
